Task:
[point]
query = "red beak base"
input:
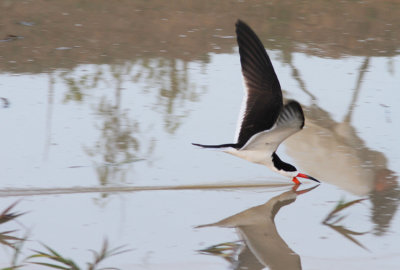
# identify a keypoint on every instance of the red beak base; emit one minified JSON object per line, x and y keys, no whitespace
{"x":296,"y":181}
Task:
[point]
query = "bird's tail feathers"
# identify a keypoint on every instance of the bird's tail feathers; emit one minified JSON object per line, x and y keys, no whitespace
{"x":215,"y":146}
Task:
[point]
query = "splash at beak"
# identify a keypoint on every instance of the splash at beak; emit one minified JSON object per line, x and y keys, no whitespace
{"x":302,"y":175}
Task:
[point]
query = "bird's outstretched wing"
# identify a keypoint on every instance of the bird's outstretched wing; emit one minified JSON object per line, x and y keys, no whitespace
{"x":291,"y":120}
{"x":263,"y":97}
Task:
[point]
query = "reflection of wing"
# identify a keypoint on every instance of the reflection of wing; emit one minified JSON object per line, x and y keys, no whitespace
{"x":269,"y":248}
{"x":263,"y":99}
{"x":247,"y":260}
{"x":257,"y":228}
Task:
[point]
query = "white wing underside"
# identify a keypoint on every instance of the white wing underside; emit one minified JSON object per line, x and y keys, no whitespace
{"x":263,"y":144}
{"x":242,"y":110}
{"x":269,"y":140}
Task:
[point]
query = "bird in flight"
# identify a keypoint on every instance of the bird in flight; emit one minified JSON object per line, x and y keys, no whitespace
{"x":265,"y":122}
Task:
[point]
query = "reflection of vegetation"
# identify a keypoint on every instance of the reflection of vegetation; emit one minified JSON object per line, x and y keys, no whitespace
{"x":17,"y":243}
{"x":228,"y":250}
{"x":340,"y":207}
{"x":69,"y":264}
{"x":120,"y":143}
{"x":171,"y":77}
{"x":4,"y":102}
{"x":333,"y":219}
{"x":77,"y":85}
{"x":117,"y":145}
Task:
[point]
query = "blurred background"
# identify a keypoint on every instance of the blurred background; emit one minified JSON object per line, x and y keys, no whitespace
{"x":101,"y":100}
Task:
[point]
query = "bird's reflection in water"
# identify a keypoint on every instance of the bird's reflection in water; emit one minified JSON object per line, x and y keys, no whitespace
{"x":263,"y":246}
{"x":344,"y":161}
{"x":343,"y":158}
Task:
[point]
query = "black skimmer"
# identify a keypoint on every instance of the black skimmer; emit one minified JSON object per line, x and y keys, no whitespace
{"x":264,"y":121}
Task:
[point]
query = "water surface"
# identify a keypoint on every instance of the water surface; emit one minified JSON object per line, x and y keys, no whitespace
{"x":99,"y":104}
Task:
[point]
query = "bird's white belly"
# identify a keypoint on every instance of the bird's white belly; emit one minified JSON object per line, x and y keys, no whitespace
{"x":254,"y":156}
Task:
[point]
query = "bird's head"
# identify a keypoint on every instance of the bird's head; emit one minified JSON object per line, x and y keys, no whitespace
{"x":291,"y":171}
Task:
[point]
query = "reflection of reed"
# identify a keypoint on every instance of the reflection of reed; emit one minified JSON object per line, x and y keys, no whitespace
{"x":118,"y":145}
{"x":333,"y":219}
{"x":263,"y":246}
{"x":174,"y":88}
{"x":49,"y":115}
{"x":4,"y":102}
{"x":121,"y":140}
{"x":343,"y":158}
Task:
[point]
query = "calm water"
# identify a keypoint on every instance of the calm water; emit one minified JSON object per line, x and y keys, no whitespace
{"x":99,"y":104}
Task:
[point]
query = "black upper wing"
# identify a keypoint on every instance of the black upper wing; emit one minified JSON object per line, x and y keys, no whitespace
{"x":264,"y":95}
